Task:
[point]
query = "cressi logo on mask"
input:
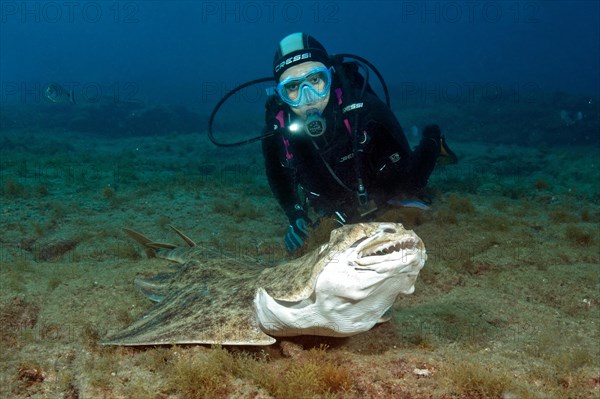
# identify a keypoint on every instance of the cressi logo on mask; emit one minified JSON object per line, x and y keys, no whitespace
{"x":291,"y":60}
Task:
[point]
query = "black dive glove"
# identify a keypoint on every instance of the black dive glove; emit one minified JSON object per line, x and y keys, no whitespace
{"x":297,"y":230}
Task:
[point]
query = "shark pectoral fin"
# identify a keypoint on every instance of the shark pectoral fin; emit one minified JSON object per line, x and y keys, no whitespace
{"x":190,"y":315}
{"x":156,"y":287}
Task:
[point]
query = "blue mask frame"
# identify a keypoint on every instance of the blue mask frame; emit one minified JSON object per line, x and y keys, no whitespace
{"x":307,"y":91}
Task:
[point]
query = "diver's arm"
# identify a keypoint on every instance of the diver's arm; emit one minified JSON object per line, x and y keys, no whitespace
{"x":388,"y":155}
{"x":389,"y":133}
{"x":282,"y":180}
{"x":412,"y":172}
{"x":388,"y":150}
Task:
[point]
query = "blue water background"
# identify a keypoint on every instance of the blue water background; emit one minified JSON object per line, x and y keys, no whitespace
{"x":190,"y":52}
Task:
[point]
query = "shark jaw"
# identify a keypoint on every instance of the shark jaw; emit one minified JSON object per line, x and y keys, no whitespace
{"x":360,"y":282}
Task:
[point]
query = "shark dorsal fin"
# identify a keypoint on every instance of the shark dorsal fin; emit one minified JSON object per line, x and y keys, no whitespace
{"x":185,"y":238}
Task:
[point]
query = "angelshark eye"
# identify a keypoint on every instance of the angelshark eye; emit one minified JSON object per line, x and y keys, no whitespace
{"x":389,"y":230}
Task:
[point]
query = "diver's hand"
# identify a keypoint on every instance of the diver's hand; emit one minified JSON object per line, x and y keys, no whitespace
{"x":297,"y":233}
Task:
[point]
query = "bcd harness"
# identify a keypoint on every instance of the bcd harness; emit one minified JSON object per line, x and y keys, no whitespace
{"x":358,"y":141}
{"x":365,"y":205}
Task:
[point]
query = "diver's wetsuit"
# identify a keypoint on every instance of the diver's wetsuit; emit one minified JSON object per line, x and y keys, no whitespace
{"x":389,"y":166}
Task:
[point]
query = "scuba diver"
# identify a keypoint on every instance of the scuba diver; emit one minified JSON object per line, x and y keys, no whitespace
{"x":332,"y":145}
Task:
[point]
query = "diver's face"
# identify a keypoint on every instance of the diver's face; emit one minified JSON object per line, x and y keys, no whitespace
{"x":314,"y":102}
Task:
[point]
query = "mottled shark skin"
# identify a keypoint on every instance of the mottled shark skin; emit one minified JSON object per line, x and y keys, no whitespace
{"x":342,"y":288}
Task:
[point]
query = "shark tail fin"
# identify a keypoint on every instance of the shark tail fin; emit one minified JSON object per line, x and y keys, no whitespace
{"x":150,"y":245}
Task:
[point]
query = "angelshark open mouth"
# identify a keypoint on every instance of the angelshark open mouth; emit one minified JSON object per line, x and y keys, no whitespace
{"x":387,"y":248}
{"x":384,"y":249}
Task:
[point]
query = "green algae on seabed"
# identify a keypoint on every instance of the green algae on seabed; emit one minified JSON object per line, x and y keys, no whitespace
{"x":506,"y":306}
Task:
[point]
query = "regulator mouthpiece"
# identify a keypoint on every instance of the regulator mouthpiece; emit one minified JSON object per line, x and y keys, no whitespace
{"x":315,"y":124}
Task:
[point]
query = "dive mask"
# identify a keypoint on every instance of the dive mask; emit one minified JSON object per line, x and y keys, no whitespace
{"x":306,"y":89}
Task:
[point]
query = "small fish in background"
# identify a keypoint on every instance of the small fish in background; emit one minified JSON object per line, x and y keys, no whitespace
{"x":56,"y":94}
{"x":570,"y":118}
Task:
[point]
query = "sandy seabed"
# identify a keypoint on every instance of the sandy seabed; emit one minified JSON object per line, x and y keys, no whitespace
{"x":506,"y":306}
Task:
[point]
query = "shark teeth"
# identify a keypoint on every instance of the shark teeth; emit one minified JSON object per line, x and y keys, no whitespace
{"x":384,"y":251}
{"x":387,"y":248}
{"x":380,"y":252}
